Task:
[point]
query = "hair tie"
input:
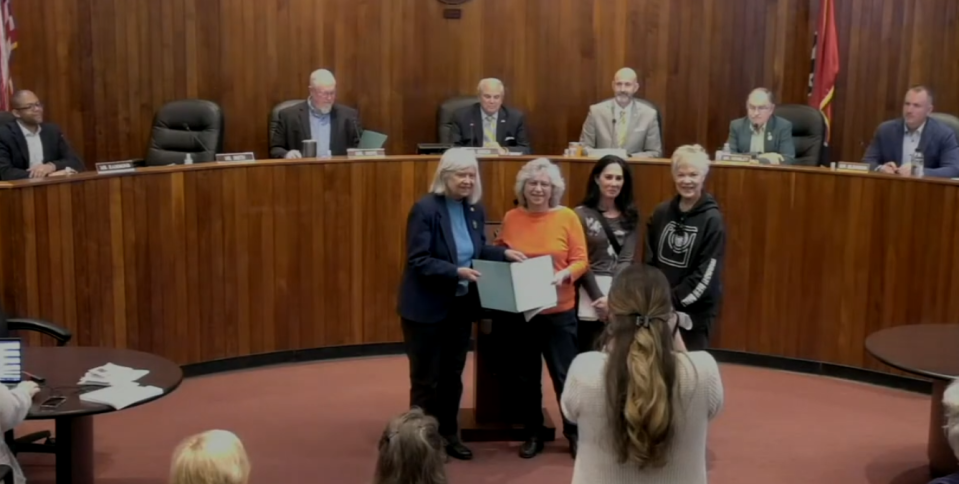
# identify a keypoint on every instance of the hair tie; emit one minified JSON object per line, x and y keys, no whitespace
{"x":642,"y":321}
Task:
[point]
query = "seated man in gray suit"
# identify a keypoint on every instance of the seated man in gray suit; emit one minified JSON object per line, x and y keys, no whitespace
{"x":623,"y":122}
{"x":334,"y":127}
{"x":488,"y":123}
{"x":897,"y":140}
{"x":761,"y":133}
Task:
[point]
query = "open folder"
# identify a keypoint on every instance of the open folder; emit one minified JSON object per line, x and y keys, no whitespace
{"x":517,"y":287}
{"x":371,"y":140}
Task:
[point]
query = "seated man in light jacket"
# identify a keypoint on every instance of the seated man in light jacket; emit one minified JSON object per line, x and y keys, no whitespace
{"x":623,"y":121}
{"x":897,"y":140}
{"x":761,"y":133}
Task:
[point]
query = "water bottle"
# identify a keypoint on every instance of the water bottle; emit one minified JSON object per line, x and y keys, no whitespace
{"x":918,"y":164}
{"x":188,"y":159}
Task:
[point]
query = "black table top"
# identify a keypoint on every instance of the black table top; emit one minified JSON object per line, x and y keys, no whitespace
{"x":62,"y":367}
{"x":930,"y":350}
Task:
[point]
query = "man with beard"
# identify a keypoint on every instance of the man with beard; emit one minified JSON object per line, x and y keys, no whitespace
{"x":623,"y":121}
{"x":334,"y":127}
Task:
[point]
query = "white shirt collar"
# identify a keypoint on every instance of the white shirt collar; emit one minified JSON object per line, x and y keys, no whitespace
{"x":26,"y":131}
{"x":905,"y":128}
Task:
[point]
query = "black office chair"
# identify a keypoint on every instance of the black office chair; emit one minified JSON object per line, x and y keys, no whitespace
{"x":444,"y":116}
{"x":948,"y":120}
{"x":275,"y":116}
{"x":659,"y":119}
{"x":6,"y":474}
{"x":7,"y":117}
{"x":32,"y":442}
{"x":192,"y":126}
{"x":809,"y":132}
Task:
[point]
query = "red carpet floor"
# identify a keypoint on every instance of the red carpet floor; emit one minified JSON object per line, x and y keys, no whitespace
{"x":319,"y":423}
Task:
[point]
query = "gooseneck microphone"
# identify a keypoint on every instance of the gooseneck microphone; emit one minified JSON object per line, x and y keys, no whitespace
{"x":473,"y":135}
{"x":197,"y":139}
{"x":357,"y":132}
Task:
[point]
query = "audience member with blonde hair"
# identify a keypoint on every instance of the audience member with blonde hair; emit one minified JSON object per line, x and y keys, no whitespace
{"x":686,"y":239}
{"x":642,"y":404}
{"x":211,"y":457}
{"x":411,"y":451}
{"x":950,"y":403}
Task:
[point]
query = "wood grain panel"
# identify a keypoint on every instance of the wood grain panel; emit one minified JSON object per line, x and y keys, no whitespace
{"x":104,"y":66}
{"x":213,"y":261}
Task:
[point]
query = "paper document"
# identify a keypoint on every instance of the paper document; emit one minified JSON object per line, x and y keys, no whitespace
{"x":122,"y":396}
{"x":517,"y":287}
{"x":371,"y":140}
{"x":586,"y":310}
{"x":110,"y":374}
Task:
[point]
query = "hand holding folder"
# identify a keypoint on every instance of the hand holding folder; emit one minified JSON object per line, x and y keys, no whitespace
{"x":517,"y":287}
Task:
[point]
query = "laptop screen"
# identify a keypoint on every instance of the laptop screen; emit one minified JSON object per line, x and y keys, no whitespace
{"x":11,"y":360}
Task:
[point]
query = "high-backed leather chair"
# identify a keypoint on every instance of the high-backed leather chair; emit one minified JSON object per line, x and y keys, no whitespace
{"x":186,"y":126}
{"x":37,"y":442}
{"x":444,"y":115}
{"x":275,"y":116}
{"x":7,"y":117}
{"x":948,"y":120}
{"x":809,"y":131}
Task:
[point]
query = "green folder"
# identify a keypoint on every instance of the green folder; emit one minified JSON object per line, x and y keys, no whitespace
{"x":371,"y":140}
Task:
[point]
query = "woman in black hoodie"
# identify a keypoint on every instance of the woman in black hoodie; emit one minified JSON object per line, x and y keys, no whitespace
{"x":686,"y":239}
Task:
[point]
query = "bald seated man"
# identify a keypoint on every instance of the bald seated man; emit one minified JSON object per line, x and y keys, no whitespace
{"x":31,"y":148}
{"x":334,"y":127}
{"x":762,"y":133}
{"x":623,"y":122}
{"x":489,"y":124}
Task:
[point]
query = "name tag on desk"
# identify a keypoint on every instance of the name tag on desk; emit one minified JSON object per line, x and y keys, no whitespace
{"x":485,"y":152}
{"x":733,"y":158}
{"x":852,"y":166}
{"x":118,"y":166}
{"x":246,"y":157}
{"x":353,"y":153}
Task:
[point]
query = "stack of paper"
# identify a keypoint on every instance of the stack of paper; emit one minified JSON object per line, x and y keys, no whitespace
{"x":110,"y":374}
{"x":517,"y":287}
{"x":122,"y":396}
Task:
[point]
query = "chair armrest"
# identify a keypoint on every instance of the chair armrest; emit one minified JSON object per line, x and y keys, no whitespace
{"x":6,"y":474}
{"x":62,"y":335}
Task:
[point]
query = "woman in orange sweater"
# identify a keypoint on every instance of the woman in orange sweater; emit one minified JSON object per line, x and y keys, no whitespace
{"x":540,"y":226}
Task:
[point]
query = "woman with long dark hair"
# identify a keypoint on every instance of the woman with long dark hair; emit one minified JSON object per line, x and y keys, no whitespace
{"x":642,"y":404}
{"x":611,"y":223}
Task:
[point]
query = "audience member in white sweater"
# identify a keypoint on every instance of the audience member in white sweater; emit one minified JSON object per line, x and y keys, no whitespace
{"x":642,"y":404}
{"x":14,"y":406}
{"x":211,"y":457}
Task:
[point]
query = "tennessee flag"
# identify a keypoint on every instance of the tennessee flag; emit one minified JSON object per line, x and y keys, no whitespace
{"x":825,"y":63}
{"x":8,"y":42}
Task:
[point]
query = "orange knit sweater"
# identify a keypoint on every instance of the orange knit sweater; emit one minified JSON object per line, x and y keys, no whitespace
{"x":557,"y":233}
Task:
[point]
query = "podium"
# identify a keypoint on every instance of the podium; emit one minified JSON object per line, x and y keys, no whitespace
{"x":492,"y":418}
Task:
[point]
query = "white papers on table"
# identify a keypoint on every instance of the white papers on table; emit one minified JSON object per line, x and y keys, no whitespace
{"x":110,"y":374}
{"x":586,"y":310}
{"x":122,"y":395}
{"x":517,"y":287}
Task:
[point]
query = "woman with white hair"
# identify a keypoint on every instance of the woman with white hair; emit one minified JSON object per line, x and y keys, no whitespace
{"x":211,"y":457}
{"x":540,"y":226}
{"x":950,"y":403}
{"x":686,"y":239}
{"x":438,"y":299}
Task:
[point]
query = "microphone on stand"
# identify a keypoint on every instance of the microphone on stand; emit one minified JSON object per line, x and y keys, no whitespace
{"x":197,"y":139}
{"x":356,"y":130}
{"x":473,"y":135}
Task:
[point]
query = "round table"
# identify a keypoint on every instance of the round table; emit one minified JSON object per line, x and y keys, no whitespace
{"x":931,"y":351}
{"x":62,"y":368}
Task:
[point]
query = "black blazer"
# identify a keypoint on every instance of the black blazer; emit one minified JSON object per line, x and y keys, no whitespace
{"x":428,"y":287}
{"x":466,"y":128}
{"x":15,"y":158}
{"x":293,"y":126}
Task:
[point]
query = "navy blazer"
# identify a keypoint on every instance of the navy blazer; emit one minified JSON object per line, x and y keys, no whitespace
{"x":466,"y":128}
{"x":937,"y":144}
{"x":428,"y":287}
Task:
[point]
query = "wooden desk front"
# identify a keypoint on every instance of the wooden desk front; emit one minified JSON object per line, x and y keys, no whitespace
{"x":196,"y":263}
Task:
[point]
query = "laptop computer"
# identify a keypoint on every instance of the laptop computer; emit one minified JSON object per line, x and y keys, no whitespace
{"x":11,"y":361}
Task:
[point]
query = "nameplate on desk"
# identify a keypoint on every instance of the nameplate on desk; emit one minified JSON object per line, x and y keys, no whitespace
{"x":117,"y":166}
{"x":852,"y":166}
{"x":235,"y":157}
{"x":734,"y":158}
{"x":369,"y":153}
{"x":485,"y":152}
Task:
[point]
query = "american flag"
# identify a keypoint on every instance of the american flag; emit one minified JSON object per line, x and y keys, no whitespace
{"x":8,"y":42}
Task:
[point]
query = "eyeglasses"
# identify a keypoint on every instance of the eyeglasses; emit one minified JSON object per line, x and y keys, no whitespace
{"x":758,"y":108}
{"x":36,"y":105}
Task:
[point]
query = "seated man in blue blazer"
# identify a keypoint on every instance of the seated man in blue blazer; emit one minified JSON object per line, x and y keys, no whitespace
{"x":489,"y":124}
{"x":897,"y":140}
{"x":761,"y":133}
{"x":30,"y":148}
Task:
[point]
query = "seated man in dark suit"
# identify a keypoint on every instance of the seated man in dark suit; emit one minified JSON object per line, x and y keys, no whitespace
{"x":761,"y":133}
{"x":897,"y":140}
{"x":30,"y":148}
{"x":490,"y":124}
{"x":334,"y":127}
